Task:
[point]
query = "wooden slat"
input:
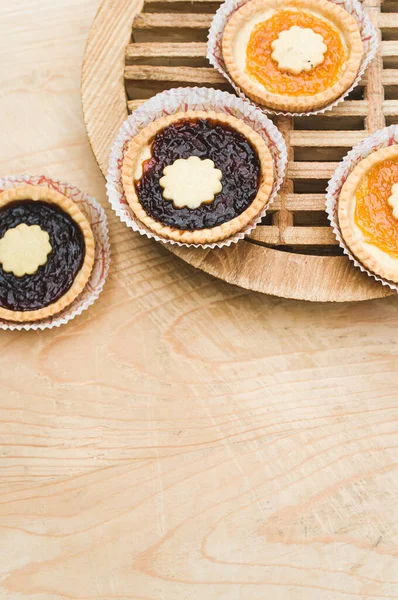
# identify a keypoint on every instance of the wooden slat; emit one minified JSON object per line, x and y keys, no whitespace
{"x":390,"y":108}
{"x":181,"y":6}
{"x":309,"y":236}
{"x":390,"y":77}
{"x":311,"y":170}
{"x":374,"y":92}
{"x":300,"y":203}
{"x":388,"y":21}
{"x":389,"y":48}
{"x":304,"y":202}
{"x":350,"y":108}
{"x":321,"y":139}
{"x":199,"y":75}
{"x":284,"y":218}
{"x":165,"y":50}
{"x":171,"y":27}
{"x":267,"y":234}
{"x":145,"y":21}
{"x":171,"y":3}
{"x":294,"y":236}
{"x":192,"y":20}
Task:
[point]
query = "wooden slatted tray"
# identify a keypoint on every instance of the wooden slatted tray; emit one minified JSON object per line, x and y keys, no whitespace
{"x":136,"y":50}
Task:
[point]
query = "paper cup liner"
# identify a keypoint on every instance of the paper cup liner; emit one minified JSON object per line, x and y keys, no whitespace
{"x":98,"y":221}
{"x":182,"y":100}
{"x":381,"y":139}
{"x":229,"y":7}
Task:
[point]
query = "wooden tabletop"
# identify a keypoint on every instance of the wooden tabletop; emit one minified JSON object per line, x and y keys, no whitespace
{"x":183,"y":439}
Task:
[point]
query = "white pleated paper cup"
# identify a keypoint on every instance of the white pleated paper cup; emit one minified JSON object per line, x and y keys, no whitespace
{"x":182,"y":100}
{"x":380,"y":139}
{"x":229,"y":7}
{"x":98,"y":221}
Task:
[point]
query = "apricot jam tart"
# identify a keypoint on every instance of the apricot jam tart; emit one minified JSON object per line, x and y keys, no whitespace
{"x":197,"y":177}
{"x":368,"y":212}
{"x":46,"y":253}
{"x":292,"y":55}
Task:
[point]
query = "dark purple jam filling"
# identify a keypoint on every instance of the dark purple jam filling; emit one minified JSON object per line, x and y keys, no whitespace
{"x":55,"y":278}
{"x":230,"y":151}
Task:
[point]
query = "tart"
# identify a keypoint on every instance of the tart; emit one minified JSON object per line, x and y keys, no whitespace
{"x":46,"y":253}
{"x":197,"y":177}
{"x":368,"y":212}
{"x":292,"y":55}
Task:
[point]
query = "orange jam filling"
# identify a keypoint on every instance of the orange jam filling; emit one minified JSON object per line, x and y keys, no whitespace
{"x":262,"y":67}
{"x":373,"y":214}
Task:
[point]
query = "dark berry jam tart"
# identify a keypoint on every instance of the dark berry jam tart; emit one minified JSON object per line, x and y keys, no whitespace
{"x":46,"y":253}
{"x":197,"y":177}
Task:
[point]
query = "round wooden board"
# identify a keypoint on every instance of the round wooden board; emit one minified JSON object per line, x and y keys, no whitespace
{"x":247,"y":264}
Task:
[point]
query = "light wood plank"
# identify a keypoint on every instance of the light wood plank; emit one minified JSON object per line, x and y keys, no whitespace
{"x":311,"y":170}
{"x":304,"y":202}
{"x":171,"y":3}
{"x":389,"y":48}
{"x":390,"y":108}
{"x":166,"y":50}
{"x":181,"y":6}
{"x":309,"y":236}
{"x":321,"y":139}
{"x":266,"y":234}
{"x":390,"y":77}
{"x":294,"y":236}
{"x":350,"y":108}
{"x":388,"y":21}
{"x":374,"y":92}
{"x":149,"y":50}
{"x":191,"y":75}
{"x":145,"y":21}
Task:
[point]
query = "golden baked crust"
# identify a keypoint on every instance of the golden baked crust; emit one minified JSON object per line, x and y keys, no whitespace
{"x":344,"y":22}
{"x":203,"y":236}
{"x":45,"y":194}
{"x":346,"y":207}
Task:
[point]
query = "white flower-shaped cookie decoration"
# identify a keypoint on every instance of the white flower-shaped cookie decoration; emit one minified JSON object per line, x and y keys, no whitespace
{"x":23,"y":249}
{"x":298,"y":49}
{"x":191,"y":182}
{"x":393,"y":200}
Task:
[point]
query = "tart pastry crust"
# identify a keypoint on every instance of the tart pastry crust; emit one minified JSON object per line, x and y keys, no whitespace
{"x":328,"y":11}
{"x":373,"y":258}
{"x":137,"y":149}
{"x":50,"y":196}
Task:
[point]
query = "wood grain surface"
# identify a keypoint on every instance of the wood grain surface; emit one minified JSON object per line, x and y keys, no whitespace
{"x":184,"y":439}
